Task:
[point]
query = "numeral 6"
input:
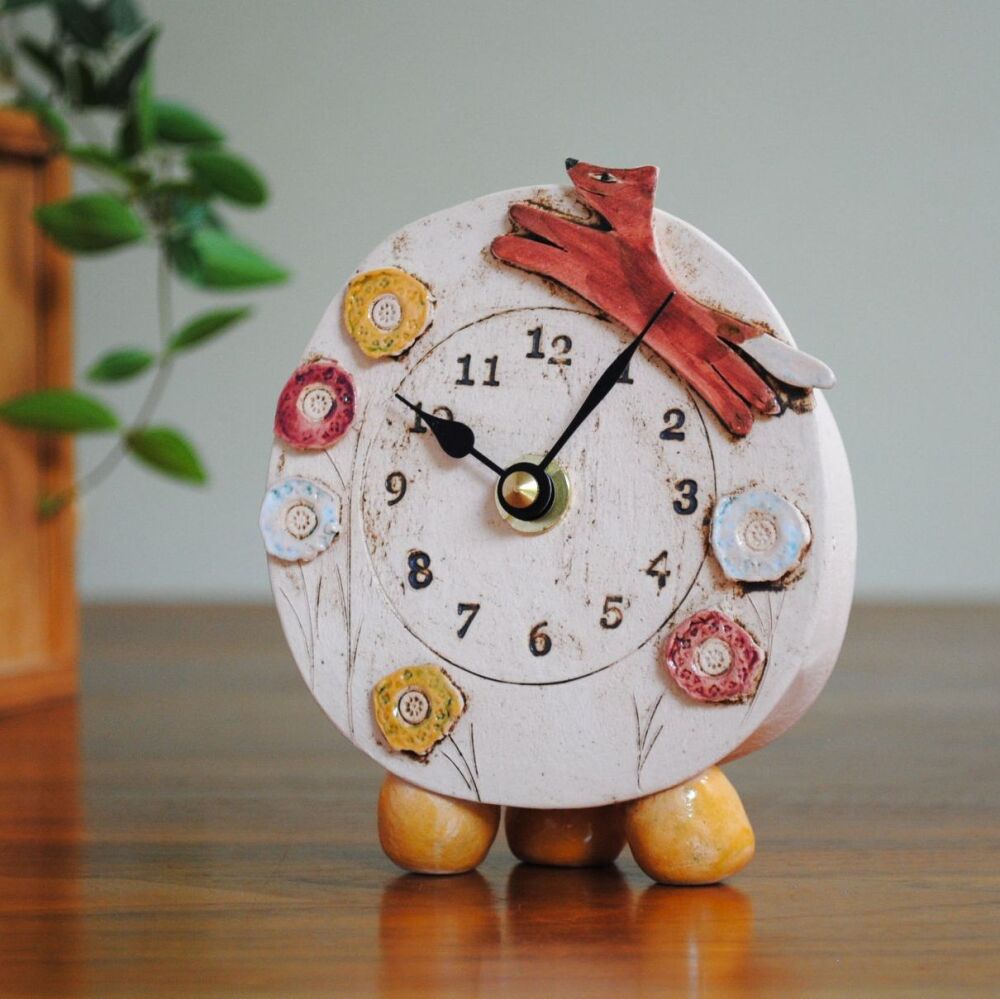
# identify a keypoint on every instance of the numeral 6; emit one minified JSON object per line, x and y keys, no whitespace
{"x":538,"y":641}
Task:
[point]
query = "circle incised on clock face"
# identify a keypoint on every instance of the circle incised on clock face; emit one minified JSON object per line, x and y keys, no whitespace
{"x":601,"y":571}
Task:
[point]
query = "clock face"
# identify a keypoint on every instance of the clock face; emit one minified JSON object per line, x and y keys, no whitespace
{"x":553,"y":606}
{"x":679,"y":601}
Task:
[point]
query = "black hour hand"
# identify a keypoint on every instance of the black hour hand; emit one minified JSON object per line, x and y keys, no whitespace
{"x":456,"y":438}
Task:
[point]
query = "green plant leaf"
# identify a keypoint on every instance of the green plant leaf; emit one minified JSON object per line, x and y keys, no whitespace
{"x":48,"y":117}
{"x":119,"y":365}
{"x":118,"y":86}
{"x":214,"y":259}
{"x":86,"y":89}
{"x":83,"y":24}
{"x":43,"y":58}
{"x":51,"y":503}
{"x":58,"y":411}
{"x":99,"y":158}
{"x":167,"y":451}
{"x":121,"y":16}
{"x":205,"y":326}
{"x":11,"y":5}
{"x":228,"y":175}
{"x":90,"y":223}
{"x":138,"y":127}
{"x":179,"y":124}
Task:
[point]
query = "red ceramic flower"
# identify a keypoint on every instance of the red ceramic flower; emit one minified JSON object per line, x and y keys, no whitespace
{"x":712,"y":658}
{"x":316,"y":406}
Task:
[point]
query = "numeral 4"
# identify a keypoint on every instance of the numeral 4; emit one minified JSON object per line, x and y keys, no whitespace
{"x":659,"y":571}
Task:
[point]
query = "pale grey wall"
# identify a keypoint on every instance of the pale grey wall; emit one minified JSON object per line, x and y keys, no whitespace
{"x":846,"y":152}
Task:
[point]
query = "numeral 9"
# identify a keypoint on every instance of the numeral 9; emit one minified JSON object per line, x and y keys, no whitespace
{"x":395,"y":485}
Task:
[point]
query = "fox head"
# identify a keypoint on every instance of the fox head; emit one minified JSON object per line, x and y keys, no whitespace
{"x":623,"y":197}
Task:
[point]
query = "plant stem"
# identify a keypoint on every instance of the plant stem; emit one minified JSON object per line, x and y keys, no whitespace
{"x":50,"y":505}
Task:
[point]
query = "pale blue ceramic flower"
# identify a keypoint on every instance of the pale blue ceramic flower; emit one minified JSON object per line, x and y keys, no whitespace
{"x":758,"y":536}
{"x":298,"y":519}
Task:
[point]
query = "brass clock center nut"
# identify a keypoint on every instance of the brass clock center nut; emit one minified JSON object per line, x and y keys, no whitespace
{"x":531,"y":501}
{"x":520,"y":489}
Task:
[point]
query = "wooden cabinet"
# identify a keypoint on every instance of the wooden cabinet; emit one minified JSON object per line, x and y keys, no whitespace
{"x":38,"y":607}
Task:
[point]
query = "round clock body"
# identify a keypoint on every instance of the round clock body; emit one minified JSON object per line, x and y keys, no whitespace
{"x":685,"y":603}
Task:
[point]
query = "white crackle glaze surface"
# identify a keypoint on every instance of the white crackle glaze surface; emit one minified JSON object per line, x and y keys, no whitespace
{"x":597,"y":719}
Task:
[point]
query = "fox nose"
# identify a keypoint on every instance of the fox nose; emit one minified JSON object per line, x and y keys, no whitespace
{"x":570,"y":162}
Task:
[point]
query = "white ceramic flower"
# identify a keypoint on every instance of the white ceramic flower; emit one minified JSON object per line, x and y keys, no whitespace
{"x":298,"y":519}
{"x":758,"y":536}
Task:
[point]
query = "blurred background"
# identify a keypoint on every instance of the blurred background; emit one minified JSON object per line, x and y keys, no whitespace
{"x":845,"y":153}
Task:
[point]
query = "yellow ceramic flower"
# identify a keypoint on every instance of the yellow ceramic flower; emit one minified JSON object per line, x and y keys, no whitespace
{"x":386,"y":310}
{"x":416,"y":707}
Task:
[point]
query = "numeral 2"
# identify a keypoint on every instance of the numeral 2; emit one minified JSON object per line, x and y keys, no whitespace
{"x":674,"y":420}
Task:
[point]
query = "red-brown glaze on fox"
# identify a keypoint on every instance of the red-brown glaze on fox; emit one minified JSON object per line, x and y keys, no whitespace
{"x":615,"y":266}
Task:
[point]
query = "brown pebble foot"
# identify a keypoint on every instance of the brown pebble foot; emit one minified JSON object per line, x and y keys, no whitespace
{"x":429,"y":833}
{"x":696,"y":833}
{"x":566,"y":837}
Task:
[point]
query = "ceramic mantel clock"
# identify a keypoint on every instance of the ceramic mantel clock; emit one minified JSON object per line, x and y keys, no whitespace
{"x":557,"y":520}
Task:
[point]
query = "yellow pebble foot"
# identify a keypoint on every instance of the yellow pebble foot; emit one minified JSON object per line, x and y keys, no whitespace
{"x":694,"y":834}
{"x":430,"y":833}
{"x":566,"y":837}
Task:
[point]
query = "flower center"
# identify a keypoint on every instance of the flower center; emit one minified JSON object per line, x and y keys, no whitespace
{"x":760,"y":532}
{"x":714,"y":657}
{"x":386,"y":313}
{"x":316,"y":403}
{"x":301,"y":521}
{"x":413,"y":706}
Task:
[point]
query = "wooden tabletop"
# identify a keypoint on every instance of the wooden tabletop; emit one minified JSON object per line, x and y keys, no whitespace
{"x":195,"y":827}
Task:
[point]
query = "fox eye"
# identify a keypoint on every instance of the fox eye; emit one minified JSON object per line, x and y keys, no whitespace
{"x":605,"y":178}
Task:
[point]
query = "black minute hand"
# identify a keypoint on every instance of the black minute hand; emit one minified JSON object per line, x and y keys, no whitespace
{"x":456,"y":439}
{"x":602,"y":386}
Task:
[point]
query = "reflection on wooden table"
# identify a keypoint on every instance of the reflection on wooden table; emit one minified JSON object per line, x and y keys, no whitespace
{"x":198,"y":829}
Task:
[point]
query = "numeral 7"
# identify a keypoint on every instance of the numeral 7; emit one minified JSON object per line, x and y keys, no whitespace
{"x":472,"y":610}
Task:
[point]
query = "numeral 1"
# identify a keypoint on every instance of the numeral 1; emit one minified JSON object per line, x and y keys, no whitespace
{"x":419,"y":427}
{"x":466,"y":363}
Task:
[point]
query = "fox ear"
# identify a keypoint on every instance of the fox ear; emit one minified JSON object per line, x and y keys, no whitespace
{"x":645,"y":176}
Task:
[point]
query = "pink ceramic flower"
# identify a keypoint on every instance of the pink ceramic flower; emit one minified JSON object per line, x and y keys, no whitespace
{"x":712,"y":658}
{"x":316,"y":406}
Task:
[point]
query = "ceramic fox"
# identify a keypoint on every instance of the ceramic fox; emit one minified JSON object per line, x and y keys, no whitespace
{"x":613,"y":263}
